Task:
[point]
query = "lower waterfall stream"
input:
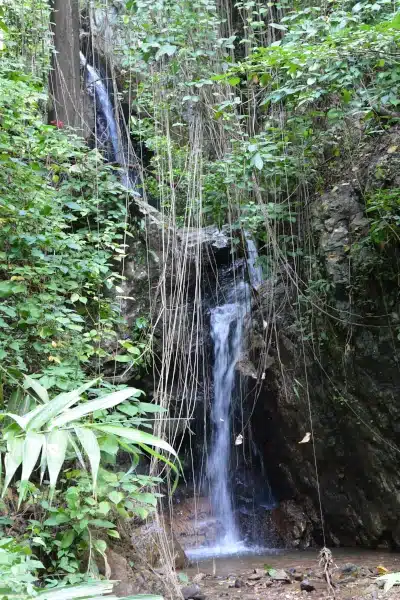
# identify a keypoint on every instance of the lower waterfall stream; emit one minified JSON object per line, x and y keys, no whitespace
{"x":227,"y":335}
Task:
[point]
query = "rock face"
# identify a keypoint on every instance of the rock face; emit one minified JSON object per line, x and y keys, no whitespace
{"x":339,"y":365}
{"x":148,"y":541}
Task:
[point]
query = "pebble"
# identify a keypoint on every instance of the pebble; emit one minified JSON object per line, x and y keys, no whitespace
{"x":254,"y":577}
{"x":199,"y":577}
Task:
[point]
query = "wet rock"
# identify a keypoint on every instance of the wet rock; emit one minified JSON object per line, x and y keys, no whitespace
{"x":280,"y":575}
{"x":296,"y":573}
{"x":292,"y":523}
{"x":349,"y":569}
{"x":193,"y":592}
{"x":193,"y":523}
{"x":307,"y":586}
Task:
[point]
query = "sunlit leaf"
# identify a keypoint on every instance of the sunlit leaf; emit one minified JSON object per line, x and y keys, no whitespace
{"x":37,"y":388}
{"x":87,"y":408}
{"x":12,"y":460}
{"x":136,"y":436}
{"x":90,"y":444}
{"x":57,"y":443}
{"x":33,"y":445}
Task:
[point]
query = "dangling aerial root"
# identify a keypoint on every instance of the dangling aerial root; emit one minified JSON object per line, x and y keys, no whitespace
{"x":326,"y":561}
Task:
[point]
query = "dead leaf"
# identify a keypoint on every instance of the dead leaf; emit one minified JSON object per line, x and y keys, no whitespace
{"x":382,"y":570}
{"x":392,"y":149}
{"x":306,"y":438}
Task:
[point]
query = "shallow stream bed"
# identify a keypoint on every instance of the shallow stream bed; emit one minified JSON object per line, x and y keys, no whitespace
{"x":246,"y":577}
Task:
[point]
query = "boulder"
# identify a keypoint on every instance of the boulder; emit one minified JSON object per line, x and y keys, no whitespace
{"x":192,"y":592}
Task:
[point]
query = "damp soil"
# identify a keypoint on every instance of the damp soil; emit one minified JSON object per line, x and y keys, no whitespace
{"x":353,"y":576}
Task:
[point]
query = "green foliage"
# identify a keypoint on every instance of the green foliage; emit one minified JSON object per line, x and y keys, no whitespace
{"x":384,"y":208}
{"x":18,"y":570}
{"x":54,"y":426}
{"x":64,"y":224}
{"x":76,"y":523}
{"x":18,"y":576}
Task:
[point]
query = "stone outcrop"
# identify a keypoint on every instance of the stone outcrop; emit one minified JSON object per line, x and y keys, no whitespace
{"x":340,"y":366}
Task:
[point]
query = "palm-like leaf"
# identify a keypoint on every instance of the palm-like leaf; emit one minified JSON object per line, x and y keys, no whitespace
{"x":389,"y":580}
{"x":47,"y":431}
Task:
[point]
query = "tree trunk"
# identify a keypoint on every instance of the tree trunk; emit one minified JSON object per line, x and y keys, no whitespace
{"x":64,"y":79}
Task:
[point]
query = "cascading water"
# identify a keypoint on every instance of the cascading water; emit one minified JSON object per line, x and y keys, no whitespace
{"x":106,"y":125}
{"x":255,"y":270}
{"x":227,"y":334}
{"x":107,"y":129}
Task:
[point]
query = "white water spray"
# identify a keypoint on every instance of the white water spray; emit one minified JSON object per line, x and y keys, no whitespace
{"x":227,"y":336}
{"x":99,"y":92}
{"x":255,"y":270}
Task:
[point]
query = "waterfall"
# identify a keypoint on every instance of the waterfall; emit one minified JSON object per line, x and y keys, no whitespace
{"x":255,"y":270}
{"x":105,"y":118}
{"x":227,"y":335}
{"x":106,"y":125}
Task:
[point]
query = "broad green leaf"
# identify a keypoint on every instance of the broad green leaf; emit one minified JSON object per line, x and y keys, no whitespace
{"x":57,"y":443}
{"x":23,"y":421}
{"x":89,"y":407}
{"x":56,"y":405}
{"x":91,"y":446}
{"x":234,"y":80}
{"x":101,"y":523}
{"x":67,"y":539}
{"x":77,"y":451}
{"x":257,"y":161}
{"x":39,"y":389}
{"x":100,"y":546}
{"x":116,"y":497}
{"x":278,"y":26}
{"x":12,"y":460}
{"x":113,"y":533}
{"x":33,"y":445}
{"x":57,"y":519}
{"x":104,"y":508}
{"x":136,"y":436}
